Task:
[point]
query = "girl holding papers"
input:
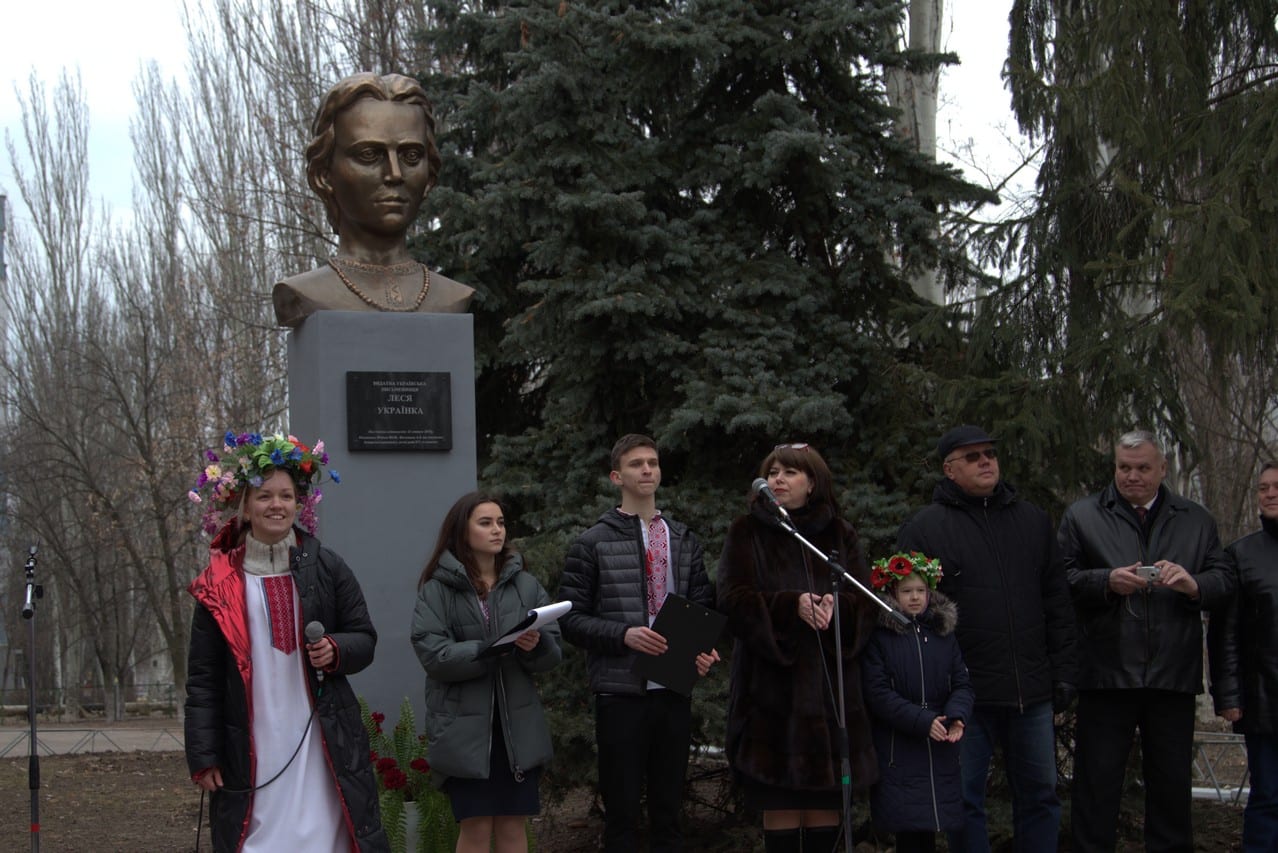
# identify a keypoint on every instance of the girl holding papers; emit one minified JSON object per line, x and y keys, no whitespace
{"x":488,"y":737}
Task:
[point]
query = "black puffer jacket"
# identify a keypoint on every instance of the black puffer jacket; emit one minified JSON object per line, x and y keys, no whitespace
{"x":604,"y":579}
{"x":1003,"y":570}
{"x":1242,"y":637}
{"x":1153,"y":638}
{"x":218,"y":714}
{"x":910,"y":675}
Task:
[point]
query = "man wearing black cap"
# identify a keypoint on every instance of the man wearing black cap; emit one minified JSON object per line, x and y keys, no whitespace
{"x":1016,"y":630}
{"x":1143,"y":564}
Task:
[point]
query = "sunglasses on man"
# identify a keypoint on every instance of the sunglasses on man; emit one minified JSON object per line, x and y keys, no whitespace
{"x":974,"y":456}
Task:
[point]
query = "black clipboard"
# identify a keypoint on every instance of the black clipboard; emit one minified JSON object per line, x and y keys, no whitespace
{"x":689,"y":629}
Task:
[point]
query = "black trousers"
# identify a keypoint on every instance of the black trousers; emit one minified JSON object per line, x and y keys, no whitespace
{"x":1107,"y":723}
{"x":916,"y":842}
{"x":638,"y":738}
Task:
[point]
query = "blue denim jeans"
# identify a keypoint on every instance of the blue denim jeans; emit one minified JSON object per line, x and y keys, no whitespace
{"x":1028,"y":743}
{"x":1260,"y":818}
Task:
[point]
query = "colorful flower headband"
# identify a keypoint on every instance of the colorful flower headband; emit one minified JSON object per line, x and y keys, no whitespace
{"x":889,"y":570}
{"x":247,"y":460}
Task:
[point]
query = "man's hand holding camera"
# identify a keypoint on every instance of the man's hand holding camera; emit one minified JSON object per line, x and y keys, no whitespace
{"x":1125,"y":580}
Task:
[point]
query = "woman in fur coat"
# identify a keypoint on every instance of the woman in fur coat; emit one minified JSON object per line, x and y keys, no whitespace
{"x":782,"y":739}
{"x":917,"y":689}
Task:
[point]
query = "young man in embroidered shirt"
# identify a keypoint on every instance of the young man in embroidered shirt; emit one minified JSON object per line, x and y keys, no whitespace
{"x":617,"y":576}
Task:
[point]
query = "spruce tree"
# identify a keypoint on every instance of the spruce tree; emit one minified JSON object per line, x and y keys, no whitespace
{"x":1139,"y":290}
{"x":688,"y":219}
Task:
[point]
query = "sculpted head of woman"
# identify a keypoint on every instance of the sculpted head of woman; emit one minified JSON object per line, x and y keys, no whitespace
{"x":334,"y":110}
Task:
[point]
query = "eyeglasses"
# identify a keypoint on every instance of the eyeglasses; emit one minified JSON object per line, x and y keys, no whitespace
{"x":974,"y":456}
{"x":800,"y":446}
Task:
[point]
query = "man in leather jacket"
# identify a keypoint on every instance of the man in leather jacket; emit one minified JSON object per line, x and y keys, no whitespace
{"x":1242,"y":642}
{"x":1015,"y":628}
{"x":617,"y":574}
{"x":1143,"y":564}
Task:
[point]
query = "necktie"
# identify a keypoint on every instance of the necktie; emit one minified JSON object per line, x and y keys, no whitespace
{"x":1141,"y":512}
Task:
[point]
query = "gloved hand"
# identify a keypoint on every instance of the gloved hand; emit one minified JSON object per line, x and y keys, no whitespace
{"x":1063,"y":696}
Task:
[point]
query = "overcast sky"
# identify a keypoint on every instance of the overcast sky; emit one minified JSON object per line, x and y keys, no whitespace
{"x":109,"y":42}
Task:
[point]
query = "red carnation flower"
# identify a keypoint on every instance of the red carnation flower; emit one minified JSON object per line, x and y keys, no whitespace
{"x":372,"y":755}
{"x":378,"y":717}
{"x":394,"y":779}
{"x":420,"y":765}
{"x":386,"y":765}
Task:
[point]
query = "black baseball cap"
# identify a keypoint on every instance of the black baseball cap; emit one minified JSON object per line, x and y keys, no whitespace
{"x":962,"y":436}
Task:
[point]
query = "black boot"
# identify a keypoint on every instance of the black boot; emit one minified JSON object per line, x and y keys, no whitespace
{"x":781,"y":840}
{"x":822,"y":839}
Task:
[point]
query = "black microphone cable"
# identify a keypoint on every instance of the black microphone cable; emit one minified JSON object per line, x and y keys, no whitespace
{"x":199,"y":821}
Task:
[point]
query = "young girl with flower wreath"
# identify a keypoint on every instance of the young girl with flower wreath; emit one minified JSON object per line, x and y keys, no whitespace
{"x":273,"y":728}
{"x":918,"y":692}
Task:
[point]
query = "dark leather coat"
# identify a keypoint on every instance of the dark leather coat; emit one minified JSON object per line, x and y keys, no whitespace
{"x":604,"y":579}
{"x":1153,"y":638}
{"x":1242,"y":638}
{"x":219,"y":713}
{"x":910,"y":675}
{"x":1003,"y":570}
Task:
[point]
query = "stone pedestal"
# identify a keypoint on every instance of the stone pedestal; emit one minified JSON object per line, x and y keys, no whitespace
{"x":385,"y":514}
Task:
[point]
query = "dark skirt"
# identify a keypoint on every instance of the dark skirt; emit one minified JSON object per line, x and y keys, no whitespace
{"x":498,"y":795}
{"x":762,"y":797}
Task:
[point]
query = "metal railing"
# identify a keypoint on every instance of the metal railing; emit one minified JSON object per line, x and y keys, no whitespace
{"x":1220,"y":767}
{"x":140,"y":699}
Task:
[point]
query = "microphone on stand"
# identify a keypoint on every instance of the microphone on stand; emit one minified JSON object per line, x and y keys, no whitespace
{"x":763,"y":493}
{"x":315,"y":633}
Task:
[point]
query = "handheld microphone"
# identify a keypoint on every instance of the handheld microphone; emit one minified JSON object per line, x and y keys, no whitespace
{"x":764,"y":493}
{"x":315,"y":633}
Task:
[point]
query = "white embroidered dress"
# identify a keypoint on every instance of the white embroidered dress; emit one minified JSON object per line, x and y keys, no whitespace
{"x":300,"y":810}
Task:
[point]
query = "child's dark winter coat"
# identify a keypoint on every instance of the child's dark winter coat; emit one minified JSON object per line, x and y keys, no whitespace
{"x":910,"y":675}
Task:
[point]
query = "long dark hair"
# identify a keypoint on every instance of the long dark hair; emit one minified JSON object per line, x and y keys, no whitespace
{"x":453,"y":537}
{"x":805,"y":458}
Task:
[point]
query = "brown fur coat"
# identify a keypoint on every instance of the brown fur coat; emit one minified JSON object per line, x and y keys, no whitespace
{"x":782,"y":728}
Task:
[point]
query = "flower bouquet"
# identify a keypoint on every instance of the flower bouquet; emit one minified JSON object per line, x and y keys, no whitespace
{"x":404,"y":790}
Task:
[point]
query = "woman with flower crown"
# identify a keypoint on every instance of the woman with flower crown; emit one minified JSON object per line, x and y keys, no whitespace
{"x":273,"y":730}
{"x":919,"y":695}
{"x":782,"y":739}
{"x":486,"y":728}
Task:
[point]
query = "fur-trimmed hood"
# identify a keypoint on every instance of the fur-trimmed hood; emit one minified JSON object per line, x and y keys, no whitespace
{"x":941,"y":616}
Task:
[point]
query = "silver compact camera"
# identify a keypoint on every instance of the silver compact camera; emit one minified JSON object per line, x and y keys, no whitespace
{"x":1147,"y":573}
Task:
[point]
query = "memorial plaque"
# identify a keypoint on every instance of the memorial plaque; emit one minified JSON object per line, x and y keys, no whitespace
{"x":398,"y":411}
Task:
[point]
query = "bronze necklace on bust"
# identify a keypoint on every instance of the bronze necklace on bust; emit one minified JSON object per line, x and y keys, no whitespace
{"x":394,"y":300}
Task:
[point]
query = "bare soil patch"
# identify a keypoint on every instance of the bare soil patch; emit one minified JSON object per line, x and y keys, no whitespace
{"x":132,"y":801}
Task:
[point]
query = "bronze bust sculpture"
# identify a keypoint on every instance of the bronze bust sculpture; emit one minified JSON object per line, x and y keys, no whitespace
{"x":372,"y":160}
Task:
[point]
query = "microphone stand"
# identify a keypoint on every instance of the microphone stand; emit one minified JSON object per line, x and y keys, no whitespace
{"x":34,"y":591}
{"x":837,"y":576}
